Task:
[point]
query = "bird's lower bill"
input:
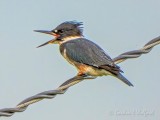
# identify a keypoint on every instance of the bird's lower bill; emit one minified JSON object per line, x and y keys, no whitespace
{"x":53,"y":41}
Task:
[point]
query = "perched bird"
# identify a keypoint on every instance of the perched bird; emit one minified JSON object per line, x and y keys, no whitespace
{"x":85,"y":55}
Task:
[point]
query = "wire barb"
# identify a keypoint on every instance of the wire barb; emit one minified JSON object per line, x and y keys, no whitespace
{"x":22,"y":106}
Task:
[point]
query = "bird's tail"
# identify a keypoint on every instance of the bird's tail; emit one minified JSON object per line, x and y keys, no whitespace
{"x":123,"y":79}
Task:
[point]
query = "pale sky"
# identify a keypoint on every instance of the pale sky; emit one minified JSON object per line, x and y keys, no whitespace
{"x":116,"y":26}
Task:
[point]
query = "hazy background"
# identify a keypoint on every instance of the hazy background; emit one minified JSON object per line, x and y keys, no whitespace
{"x":117,"y":26}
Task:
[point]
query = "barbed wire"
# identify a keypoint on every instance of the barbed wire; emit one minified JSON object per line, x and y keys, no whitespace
{"x":22,"y":106}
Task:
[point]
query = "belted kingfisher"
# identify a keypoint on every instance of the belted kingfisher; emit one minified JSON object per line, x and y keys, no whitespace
{"x":85,"y":55}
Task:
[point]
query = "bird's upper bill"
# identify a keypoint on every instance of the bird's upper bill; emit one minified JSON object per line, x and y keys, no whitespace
{"x":47,"y":32}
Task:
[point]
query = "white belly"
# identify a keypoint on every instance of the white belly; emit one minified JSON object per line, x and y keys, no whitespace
{"x":96,"y":72}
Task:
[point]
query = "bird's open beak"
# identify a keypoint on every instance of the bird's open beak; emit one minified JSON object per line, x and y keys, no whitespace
{"x":53,"y":41}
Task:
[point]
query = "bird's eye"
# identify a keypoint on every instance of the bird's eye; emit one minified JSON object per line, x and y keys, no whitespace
{"x":60,"y":31}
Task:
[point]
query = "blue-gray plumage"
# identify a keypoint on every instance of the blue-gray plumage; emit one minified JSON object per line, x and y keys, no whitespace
{"x":85,"y":55}
{"x":84,"y":51}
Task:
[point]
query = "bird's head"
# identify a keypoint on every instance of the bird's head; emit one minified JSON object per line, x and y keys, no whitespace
{"x":62,"y":31}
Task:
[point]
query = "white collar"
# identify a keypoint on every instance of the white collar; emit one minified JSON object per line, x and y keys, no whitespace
{"x":70,"y":38}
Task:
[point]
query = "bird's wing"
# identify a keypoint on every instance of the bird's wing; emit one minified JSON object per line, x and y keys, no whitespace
{"x":87,"y":52}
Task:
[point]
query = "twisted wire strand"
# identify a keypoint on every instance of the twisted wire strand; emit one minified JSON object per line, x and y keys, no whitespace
{"x":137,"y":53}
{"x":22,"y":106}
